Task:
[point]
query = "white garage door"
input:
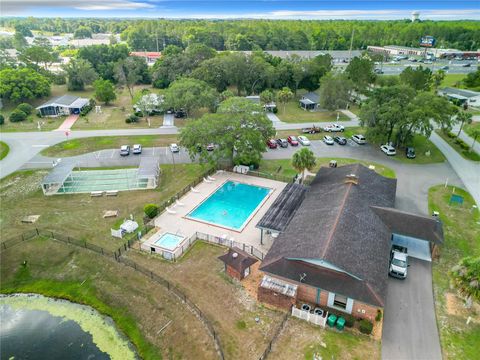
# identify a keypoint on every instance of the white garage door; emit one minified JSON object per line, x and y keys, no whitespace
{"x":417,"y":248}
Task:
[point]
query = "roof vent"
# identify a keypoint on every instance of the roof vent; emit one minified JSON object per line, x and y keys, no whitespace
{"x":302,"y":277}
{"x":351,"y":179}
{"x":235,"y":255}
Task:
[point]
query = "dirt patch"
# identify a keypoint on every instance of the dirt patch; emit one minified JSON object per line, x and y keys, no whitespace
{"x":245,"y":327}
{"x":455,"y":306}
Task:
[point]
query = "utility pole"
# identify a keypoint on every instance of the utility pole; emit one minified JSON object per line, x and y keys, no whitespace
{"x":351,"y":45}
{"x":156,"y":38}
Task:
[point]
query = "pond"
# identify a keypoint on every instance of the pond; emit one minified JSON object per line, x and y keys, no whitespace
{"x":37,"y":327}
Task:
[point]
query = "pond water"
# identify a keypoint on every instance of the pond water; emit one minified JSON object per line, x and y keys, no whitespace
{"x":36,"y":327}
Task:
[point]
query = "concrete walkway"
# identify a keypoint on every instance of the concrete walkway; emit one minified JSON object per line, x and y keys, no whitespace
{"x":468,"y":171}
{"x":467,"y":138}
{"x":168,"y":120}
{"x":274,"y":119}
{"x":68,"y":123}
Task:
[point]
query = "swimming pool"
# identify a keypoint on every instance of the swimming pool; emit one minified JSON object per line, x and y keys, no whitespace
{"x":231,"y":205}
{"x":169,"y":241}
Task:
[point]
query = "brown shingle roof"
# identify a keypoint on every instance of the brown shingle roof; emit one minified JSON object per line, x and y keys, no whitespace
{"x":335,"y":223}
{"x":240,"y":262}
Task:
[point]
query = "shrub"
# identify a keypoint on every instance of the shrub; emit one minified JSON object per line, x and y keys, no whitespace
{"x":131,"y":119}
{"x":2,"y":119}
{"x":366,"y":326}
{"x":349,"y":320}
{"x":17,"y":115}
{"x":151,"y":210}
{"x":86,"y":109}
{"x":26,"y":108}
{"x":59,"y":79}
{"x":275,"y":110}
{"x":379,"y":315}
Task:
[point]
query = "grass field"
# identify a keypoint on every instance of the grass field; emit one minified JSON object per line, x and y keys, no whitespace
{"x":139,"y":307}
{"x":202,"y":277}
{"x":462,"y":238}
{"x":284,"y":166}
{"x":4,"y":149}
{"x":469,"y":128}
{"x":300,"y":340}
{"x":79,"y":215}
{"x":294,"y":114}
{"x":466,"y":154}
{"x":452,"y":80}
{"x":85,"y":145}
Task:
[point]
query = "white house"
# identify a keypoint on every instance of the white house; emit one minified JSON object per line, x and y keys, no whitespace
{"x":63,"y":105}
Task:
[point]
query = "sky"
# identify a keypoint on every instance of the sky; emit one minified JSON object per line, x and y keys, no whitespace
{"x":255,"y":9}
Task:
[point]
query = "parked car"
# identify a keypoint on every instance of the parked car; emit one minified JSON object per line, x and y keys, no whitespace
{"x":125,"y":150}
{"x":340,"y":140}
{"x":304,"y":140}
{"x":210,"y":147}
{"x":137,"y":149}
{"x":180,"y":113}
{"x":398,"y":262}
{"x":444,"y":67}
{"x":378,"y":71}
{"x":311,"y":130}
{"x":174,"y":148}
{"x":293,"y":140}
{"x":467,"y":65}
{"x":272,"y":144}
{"x":410,"y":152}
{"x":388,"y":149}
{"x":359,"y":139}
{"x":282,"y":143}
{"x":328,"y":140}
{"x":334,"y":128}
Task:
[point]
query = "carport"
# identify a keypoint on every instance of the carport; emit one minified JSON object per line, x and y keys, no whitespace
{"x":420,"y":234}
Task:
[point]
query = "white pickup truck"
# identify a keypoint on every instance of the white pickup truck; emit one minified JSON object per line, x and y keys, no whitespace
{"x":334,"y":128}
{"x":398,"y":262}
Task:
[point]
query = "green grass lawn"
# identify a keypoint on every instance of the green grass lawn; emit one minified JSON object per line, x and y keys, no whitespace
{"x":422,"y":146}
{"x":462,"y":238}
{"x":469,"y":127}
{"x":4,"y":149}
{"x":79,"y":215}
{"x":466,"y":154}
{"x":284,"y":167}
{"x":294,"y":114}
{"x":85,"y":145}
{"x":452,"y":80}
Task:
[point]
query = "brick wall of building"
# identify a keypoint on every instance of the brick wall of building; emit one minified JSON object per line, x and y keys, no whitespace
{"x":364,"y":311}
{"x":275,"y":299}
{"x":233,"y":273}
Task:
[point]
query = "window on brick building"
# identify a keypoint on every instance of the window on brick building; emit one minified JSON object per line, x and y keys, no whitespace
{"x":340,"y":301}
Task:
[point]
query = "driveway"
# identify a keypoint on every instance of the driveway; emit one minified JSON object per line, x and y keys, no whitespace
{"x":409,"y":326}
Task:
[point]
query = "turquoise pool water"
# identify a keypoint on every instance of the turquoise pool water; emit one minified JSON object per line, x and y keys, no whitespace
{"x":231,"y":205}
{"x":169,"y":241}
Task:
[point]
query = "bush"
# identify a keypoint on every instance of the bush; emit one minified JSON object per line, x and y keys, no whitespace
{"x":17,"y":115}
{"x":2,"y":119}
{"x":275,"y":110}
{"x":86,"y":109}
{"x":366,"y":326}
{"x":26,"y":108}
{"x":59,"y":79}
{"x":379,"y":315}
{"x":131,"y":119}
{"x":151,"y":210}
{"x":349,"y":320}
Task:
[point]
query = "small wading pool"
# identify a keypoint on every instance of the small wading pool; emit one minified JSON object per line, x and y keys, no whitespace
{"x":231,"y":205}
{"x":166,"y":244}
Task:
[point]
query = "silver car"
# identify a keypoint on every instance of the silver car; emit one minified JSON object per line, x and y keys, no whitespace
{"x":303,"y":140}
{"x":328,"y":140}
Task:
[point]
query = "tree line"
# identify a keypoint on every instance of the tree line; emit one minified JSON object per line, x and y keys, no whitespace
{"x":154,"y":35}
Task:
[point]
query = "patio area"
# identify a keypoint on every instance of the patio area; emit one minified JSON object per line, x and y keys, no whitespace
{"x":175,"y":221}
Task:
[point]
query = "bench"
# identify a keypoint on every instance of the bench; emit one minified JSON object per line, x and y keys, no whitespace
{"x":111,"y":193}
{"x":96,"y":193}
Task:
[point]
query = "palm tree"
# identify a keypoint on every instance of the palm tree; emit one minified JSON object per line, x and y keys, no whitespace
{"x":466,"y":278}
{"x":463,"y":117}
{"x":284,"y":96}
{"x":474,"y":133}
{"x":302,"y":160}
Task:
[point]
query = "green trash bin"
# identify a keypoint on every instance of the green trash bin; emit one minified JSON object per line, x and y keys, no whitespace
{"x":331,"y":320}
{"x":340,"y":323}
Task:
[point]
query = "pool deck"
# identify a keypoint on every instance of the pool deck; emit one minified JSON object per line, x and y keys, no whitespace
{"x":178,"y":224}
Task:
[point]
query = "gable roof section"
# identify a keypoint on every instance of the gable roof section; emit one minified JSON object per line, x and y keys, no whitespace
{"x":311,"y":96}
{"x":414,"y":225}
{"x":335,"y":223}
{"x":460,"y":92}
{"x":65,"y":100}
{"x":241,"y":262}
{"x":278,"y":216}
